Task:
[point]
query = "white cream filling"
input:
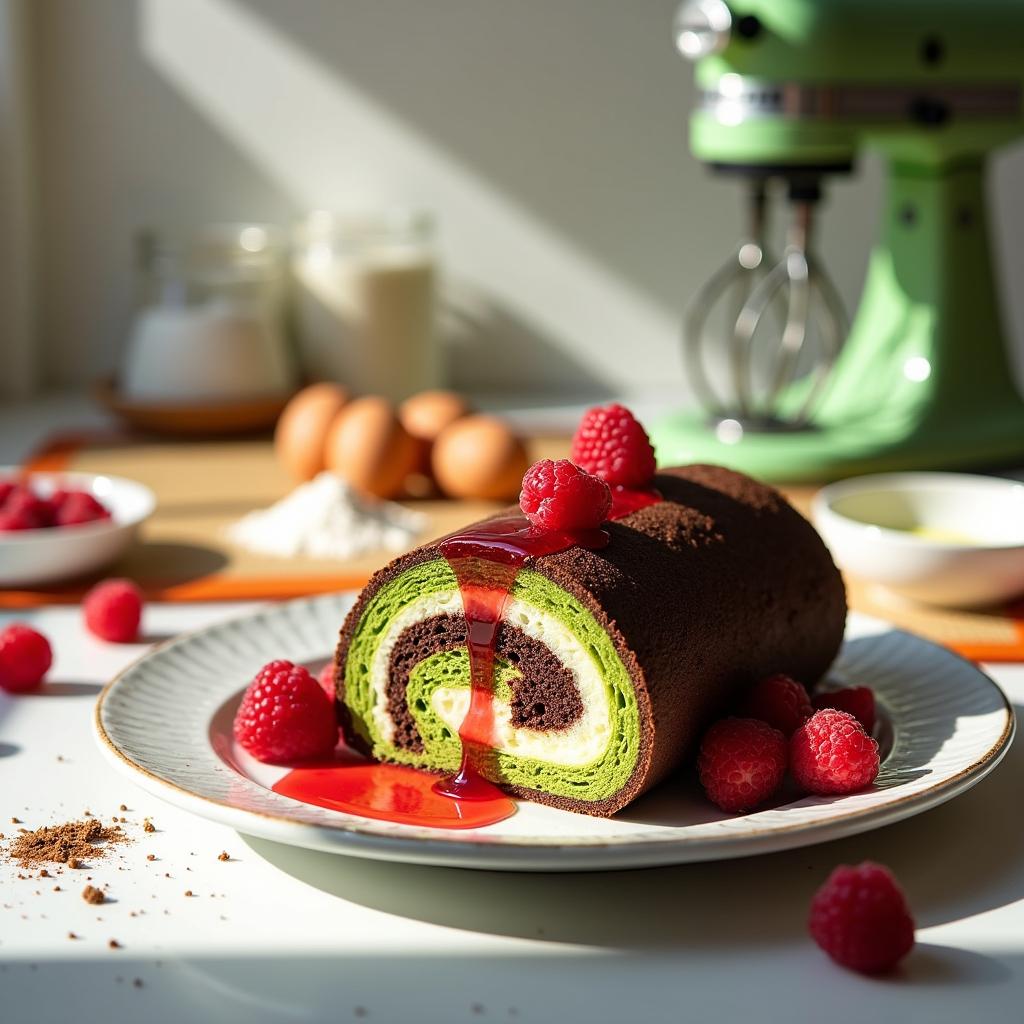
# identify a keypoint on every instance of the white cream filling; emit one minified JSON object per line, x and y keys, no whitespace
{"x":582,"y":742}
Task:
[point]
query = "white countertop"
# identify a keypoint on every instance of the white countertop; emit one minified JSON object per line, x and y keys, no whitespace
{"x":277,"y":934}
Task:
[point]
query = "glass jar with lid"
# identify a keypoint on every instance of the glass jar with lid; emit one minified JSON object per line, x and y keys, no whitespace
{"x":209,"y":325}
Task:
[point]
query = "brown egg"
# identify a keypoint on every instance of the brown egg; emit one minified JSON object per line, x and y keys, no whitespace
{"x":369,"y":447}
{"x":425,"y":415}
{"x":479,"y":457}
{"x":302,"y":428}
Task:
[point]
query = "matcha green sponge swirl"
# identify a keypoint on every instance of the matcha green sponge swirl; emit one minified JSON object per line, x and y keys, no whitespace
{"x":609,"y":663}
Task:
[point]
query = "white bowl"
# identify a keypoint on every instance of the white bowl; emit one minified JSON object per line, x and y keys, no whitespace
{"x":968,"y":549}
{"x":31,"y":557}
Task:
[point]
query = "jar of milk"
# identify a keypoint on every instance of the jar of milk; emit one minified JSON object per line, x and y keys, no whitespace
{"x":364,"y":300}
{"x":210,"y":321}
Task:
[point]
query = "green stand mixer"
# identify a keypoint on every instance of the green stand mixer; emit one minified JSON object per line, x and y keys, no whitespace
{"x":790,"y":91}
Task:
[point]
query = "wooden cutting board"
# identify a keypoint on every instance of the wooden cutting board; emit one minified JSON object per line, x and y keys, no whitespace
{"x":204,"y":486}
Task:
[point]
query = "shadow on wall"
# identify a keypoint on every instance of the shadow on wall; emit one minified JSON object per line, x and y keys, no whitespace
{"x":490,"y":347}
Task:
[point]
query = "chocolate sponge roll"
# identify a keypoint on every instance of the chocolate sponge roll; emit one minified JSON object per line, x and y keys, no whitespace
{"x":609,"y":663}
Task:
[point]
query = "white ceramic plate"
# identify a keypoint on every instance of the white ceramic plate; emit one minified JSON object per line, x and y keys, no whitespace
{"x":166,"y":721}
{"x":33,"y":557}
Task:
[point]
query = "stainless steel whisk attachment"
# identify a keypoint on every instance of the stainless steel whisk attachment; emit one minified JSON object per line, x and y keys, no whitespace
{"x":797,"y":292}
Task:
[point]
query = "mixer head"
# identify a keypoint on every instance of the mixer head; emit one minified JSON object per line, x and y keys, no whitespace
{"x":790,"y":91}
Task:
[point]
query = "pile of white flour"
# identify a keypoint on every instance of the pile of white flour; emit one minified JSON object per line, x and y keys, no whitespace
{"x":326,"y":518}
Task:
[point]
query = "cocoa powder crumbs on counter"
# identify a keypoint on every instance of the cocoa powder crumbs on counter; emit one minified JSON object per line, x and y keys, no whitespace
{"x":137,"y":982}
{"x":64,"y":844}
{"x":43,"y":873}
{"x":150,"y":856}
{"x":188,"y":892}
{"x":114,"y":944}
{"x":93,"y":895}
{"x":148,"y":826}
{"x":56,"y":888}
{"x":72,"y":935}
{"x":87,"y":813}
{"x":123,"y":807}
{"x":223,"y":855}
{"x":15,"y":821}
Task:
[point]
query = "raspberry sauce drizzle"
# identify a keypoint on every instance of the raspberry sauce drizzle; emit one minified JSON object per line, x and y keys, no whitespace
{"x":626,"y":500}
{"x":486,"y":559}
{"x":388,"y":792}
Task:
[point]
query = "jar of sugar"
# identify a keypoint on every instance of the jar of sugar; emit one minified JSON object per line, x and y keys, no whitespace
{"x":364,"y":300}
{"x":209,"y":326}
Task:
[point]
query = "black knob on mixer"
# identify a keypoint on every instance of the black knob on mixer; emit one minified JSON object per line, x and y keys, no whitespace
{"x":748,"y":26}
{"x":928,"y":110}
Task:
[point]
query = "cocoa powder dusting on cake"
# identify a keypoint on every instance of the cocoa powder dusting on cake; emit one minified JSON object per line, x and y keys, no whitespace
{"x":69,"y":843}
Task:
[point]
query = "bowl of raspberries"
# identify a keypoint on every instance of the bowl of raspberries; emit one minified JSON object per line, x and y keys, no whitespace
{"x":56,"y":526}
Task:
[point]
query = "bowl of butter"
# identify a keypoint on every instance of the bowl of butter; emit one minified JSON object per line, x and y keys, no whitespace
{"x":949,"y":539}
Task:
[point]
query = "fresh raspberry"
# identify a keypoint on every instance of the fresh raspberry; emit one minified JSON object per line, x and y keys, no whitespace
{"x":24,"y":510}
{"x":6,"y":489}
{"x":113,"y":610}
{"x":859,"y":701}
{"x":741,"y":763}
{"x":25,"y":657}
{"x":780,"y":701}
{"x":326,"y":680}
{"x":561,"y":496}
{"x":611,"y":444}
{"x":285,"y":716}
{"x":831,"y":753}
{"x":861,"y":919}
{"x":10,"y":522}
{"x":76,"y":507}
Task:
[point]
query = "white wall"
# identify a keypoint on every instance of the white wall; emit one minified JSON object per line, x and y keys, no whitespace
{"x":17,"y":204}
{"x":548,"y":135}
